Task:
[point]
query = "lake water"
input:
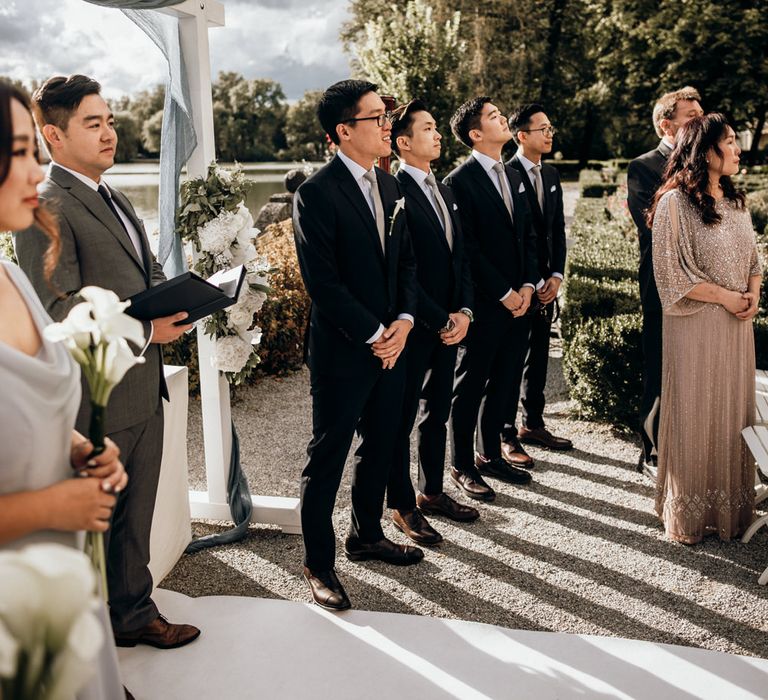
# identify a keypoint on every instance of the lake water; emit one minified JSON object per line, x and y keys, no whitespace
{"x":139,"y":182}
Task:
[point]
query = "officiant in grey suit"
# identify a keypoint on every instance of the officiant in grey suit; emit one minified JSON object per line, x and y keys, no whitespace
{"x":103,"y":243}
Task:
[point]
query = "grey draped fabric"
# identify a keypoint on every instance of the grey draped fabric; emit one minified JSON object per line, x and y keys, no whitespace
{"x":177,"y":139}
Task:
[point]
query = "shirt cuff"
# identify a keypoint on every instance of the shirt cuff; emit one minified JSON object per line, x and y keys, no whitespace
{"x":539,"y":285}
{"x":507,"y":294}
{"x":558,"y":275}
{"x":149,"y":340}
{"x":376,"y":335}
{"x":406,"y":317}
{"x":528,"y":284}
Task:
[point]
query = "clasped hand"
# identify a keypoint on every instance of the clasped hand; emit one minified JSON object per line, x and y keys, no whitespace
{"x":518,"y":302}
{"x":458,"y":330}
{"x":391,"y":343}
{"x":549,"y":290}
{"x":751,"y":300}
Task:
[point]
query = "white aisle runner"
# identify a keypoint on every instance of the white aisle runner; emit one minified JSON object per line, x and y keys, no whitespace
{"x":275,"y":649}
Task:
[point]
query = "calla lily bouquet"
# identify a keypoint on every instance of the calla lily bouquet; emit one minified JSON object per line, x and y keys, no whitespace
{"x":49,"y":634}
{"x":96,"y":333}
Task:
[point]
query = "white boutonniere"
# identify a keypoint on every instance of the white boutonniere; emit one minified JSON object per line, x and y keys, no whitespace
{"x":455,"y":207}
{"x":399,"y":206}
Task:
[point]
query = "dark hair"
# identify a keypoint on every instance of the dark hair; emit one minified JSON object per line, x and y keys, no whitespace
{"x":58,"y":98}
{"x":467,"y":117}
{"x":520,"y":119}
{"x":687,"y":169}
{"x":402,"y":121}
{"x":44,"y":220}
{"x":339,"y":104}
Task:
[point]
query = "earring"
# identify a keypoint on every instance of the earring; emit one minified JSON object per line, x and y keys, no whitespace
{"x":707,"y":161}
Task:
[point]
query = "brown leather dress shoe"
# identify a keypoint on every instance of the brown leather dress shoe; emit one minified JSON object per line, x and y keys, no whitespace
{"x":472,"y":484}
{"x":414,"y":525}
{"x":160,"y":634}
{"x":326,"y":590}
{"x":542,"y":436}
{"x":443,"y":504}
{"x":384,"y":550}
{"x":514,"y":453}
{"x":501,"y":469}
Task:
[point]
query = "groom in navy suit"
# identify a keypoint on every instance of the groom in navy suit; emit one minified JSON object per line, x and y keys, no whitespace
{"x":357,"y":264}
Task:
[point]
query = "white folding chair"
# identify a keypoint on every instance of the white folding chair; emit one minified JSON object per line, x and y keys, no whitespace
{"x":756,"y":438}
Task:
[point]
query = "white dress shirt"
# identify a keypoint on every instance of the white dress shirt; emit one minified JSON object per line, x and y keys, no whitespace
{"x":419,"y":177}
{"x":487,"y":164}
{"x":358,"y":172}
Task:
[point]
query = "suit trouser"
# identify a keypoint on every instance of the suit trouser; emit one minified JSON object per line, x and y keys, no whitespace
{"x":429,"y":384}
{"x":127,"y":541}
{"x":492,"y":362}
{"x":534,"y":376}
{"x":651,"y":344}
{"x":370,"y":404}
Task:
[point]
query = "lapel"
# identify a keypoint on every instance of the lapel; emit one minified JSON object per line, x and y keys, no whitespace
{"x":125,"y":205}
{"x":548,"y":178}
{"x":353,"y":193}
{"x":92,"y":201}
{"x":530,"y":193}
{"x":484,"y":182}
{"x":416,"y":194}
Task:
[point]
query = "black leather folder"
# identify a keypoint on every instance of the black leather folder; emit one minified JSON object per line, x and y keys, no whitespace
{"x":188,"y":292}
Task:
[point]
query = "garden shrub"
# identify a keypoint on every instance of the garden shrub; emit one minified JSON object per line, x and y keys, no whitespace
{"x":597,"y":183}
{"x":603,"y":369}
{"x":757,"y":202}
{"x":6,"y":247}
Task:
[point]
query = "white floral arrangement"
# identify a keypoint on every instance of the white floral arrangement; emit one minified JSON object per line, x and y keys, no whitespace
{"x":215,"y":219}
{"x":49,"y":633}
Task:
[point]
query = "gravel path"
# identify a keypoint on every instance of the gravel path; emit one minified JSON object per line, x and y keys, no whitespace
{"x":578,"y":550}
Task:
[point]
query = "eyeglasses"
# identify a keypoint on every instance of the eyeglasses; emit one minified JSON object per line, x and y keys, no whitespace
{"x":547,"y":130}
{"x":381,"y":119}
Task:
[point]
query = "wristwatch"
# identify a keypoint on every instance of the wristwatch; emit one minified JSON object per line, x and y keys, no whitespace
{"x":468,"y":313}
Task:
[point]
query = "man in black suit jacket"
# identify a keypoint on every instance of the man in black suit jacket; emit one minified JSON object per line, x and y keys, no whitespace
{"x":357,"y":264}
{"x":533,"y":133}
{"x":644,"y":174}
{"x":496,"y":222}
{"x":442,"y":320}
{"x":103,"y":243}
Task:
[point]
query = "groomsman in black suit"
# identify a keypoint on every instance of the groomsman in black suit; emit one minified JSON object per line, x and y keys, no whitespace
{"x":357,"y":263}
{"x":644,"y":174}
{"x":443,"y":316}
{"x":496,"y":222}
{"x":533,"y":133}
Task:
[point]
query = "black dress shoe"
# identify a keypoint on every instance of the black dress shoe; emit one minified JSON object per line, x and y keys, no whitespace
{"x":514,"y":453}
{"x":443,"y":504}
{"x":501,"y":469}
{"x":542,"y":436}
{"x":326,"y":590}
{"x":384,"y":550}
{"x":472,"y":484}
{"x":414,"y":525}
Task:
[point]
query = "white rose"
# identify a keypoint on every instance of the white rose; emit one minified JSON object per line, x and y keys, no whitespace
{"x":217,"y":235}
{"x":231,"y":353}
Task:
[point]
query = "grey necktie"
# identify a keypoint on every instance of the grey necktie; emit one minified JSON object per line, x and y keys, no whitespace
{"x":538,"y":185}
{"x":442,"y":210}
{"x":506,"y":195}
{"x":378,"y":206}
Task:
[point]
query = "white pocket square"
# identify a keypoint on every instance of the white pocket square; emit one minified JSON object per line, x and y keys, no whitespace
{"x":455,"y":208}
{"x":522,"y":188}
{"x":553,"y":188}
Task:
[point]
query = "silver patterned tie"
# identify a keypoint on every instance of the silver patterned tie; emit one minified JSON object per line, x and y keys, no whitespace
{"x":378,"y":206}
{"x":506,"y":195}
{"x":538,"y":185}
{"x":442,"y":210}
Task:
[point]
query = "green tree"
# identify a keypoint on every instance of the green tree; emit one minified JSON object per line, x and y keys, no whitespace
{"x":150,"y":133}
{"x":249,"y":117}
{"x":128,"y":136}
{"x":412,"y":54}
{"x":303,"y":133}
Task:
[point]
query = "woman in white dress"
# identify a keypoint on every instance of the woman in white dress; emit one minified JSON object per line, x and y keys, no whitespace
{"x":41,"y":500}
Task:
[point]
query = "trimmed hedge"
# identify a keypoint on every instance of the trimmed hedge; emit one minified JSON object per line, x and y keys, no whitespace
{"x":590,"y":298}
{"x":757,"y":202}
{"x":597,"y":183}
{"x":602,"y":365}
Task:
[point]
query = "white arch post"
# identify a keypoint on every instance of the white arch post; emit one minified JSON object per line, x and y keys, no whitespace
{"x":195,"y":17}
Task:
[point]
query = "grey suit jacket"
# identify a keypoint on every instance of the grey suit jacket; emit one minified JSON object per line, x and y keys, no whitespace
{"x":95,"y":250}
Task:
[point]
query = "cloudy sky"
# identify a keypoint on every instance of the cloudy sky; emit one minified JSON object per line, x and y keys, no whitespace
{"x":295,"y":42}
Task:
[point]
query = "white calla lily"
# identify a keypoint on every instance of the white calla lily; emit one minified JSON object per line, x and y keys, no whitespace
{"x":118,"y":359}
{"x":108,"y":313}
{"x":78,"y":329}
